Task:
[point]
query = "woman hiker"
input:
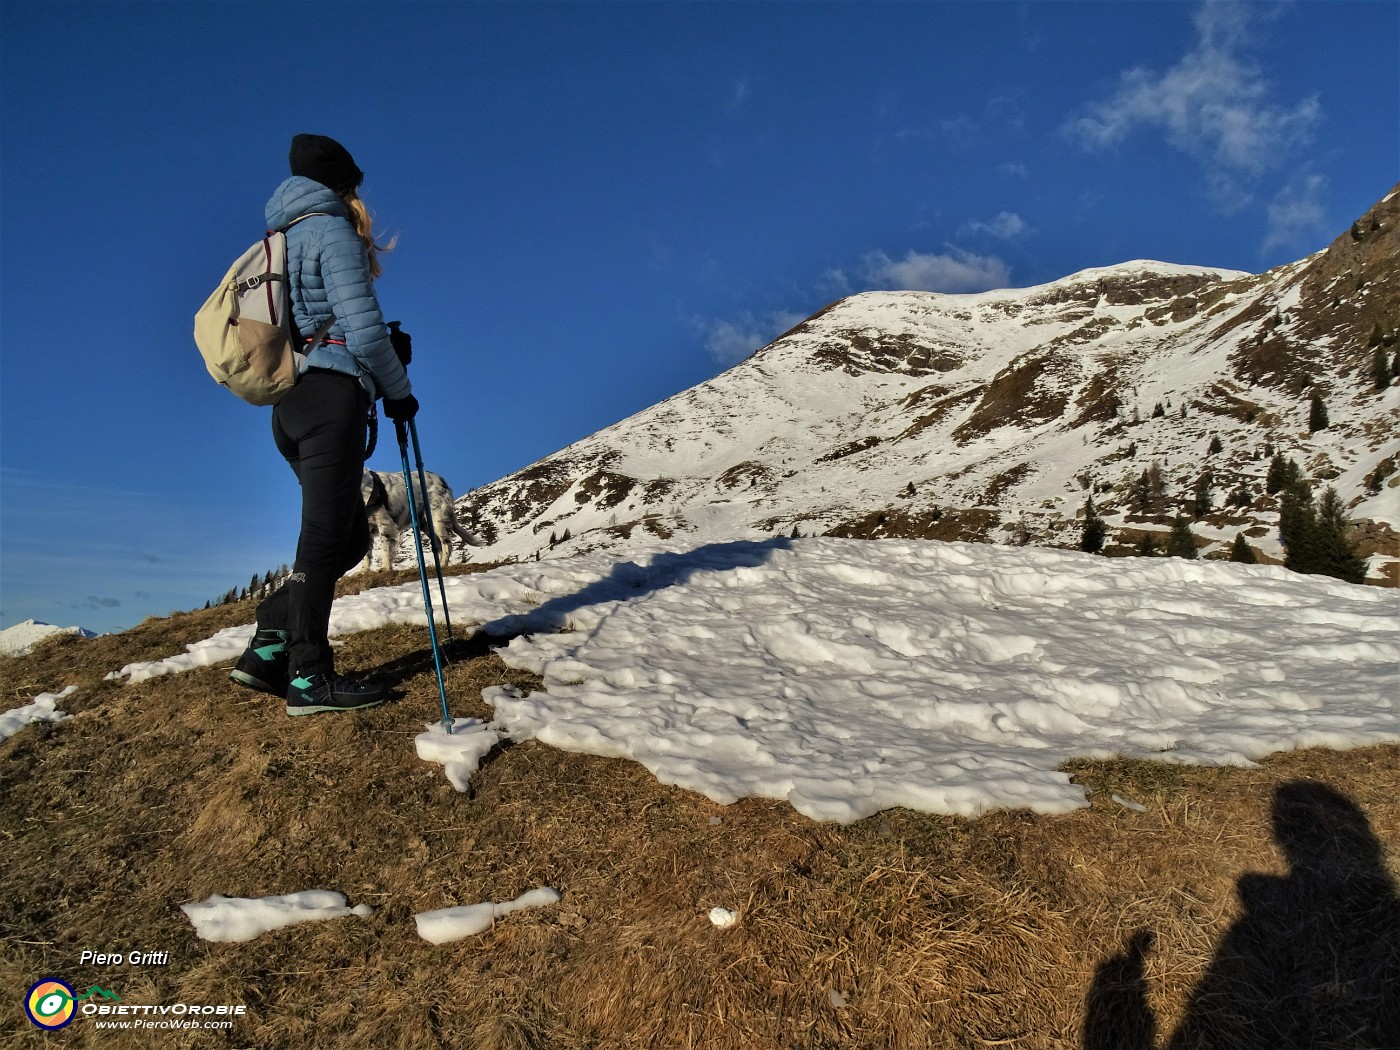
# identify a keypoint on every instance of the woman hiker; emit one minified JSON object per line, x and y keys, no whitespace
{"x":321,"y":424}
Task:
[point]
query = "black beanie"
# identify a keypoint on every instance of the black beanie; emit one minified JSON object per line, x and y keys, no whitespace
{"x":325,"y":160}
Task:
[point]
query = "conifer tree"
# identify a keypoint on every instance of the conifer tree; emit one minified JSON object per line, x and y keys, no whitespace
{"x":1282,"y":472}
{"x":1216,"y":445}
{"x":1317,"y":414}
{"x":1150,"y":490}
{"x":1094,"y":531}
{"x":1317,"y":538}
{"x":1333,"y":550}
{"x":1181,"y":544}
{"x":1141,"y":494}
{"x":1297,"y":526}
{"x":1201,"y":500}
{"x":1380,"y":368}
{"x":1146,"y":546}
{"x":1241,"y":551}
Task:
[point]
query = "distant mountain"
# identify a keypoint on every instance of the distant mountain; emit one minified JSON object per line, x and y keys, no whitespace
{"x":21,"y":638}
{"x":994,"y":416}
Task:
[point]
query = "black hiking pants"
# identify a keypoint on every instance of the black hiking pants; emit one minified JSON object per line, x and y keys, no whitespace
{"x":320,"y":429}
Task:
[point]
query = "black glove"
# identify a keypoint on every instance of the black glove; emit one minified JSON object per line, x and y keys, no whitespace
{"x":402,"y":343}
{"x":401,"y":409}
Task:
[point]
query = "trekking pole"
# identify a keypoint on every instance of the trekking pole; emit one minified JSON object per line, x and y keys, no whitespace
{"x":423,"y":570}
{"x":432,"y":529}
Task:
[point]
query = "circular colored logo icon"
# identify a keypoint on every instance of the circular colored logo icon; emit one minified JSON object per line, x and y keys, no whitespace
{"x":50,"y":1003}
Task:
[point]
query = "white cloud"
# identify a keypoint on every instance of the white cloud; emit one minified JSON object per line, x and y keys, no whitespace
{"x":1005,"y":226}
{"x":1296,"y":215}
{"x":834,"y":282}
{"x":1214,"y":105}
{"x":956,"y":271}
{"x":729,"y":342}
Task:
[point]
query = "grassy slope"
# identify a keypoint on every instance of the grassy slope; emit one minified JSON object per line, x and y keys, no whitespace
{"x":1089,"y":929}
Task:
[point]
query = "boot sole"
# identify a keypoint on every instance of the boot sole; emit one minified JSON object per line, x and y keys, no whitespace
{"x":317,"y":709}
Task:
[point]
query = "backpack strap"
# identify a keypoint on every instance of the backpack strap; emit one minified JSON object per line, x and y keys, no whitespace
{"x":284,"y":229}
{"x":321,"y":333}
{"x":315,"y":340}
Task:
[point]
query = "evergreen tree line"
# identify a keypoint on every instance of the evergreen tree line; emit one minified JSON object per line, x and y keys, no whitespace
{"x":1315,"y":532}
{"x":260,"y":586}
{"x":1147,"y":493}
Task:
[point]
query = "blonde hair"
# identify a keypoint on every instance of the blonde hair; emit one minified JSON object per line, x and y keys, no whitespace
{"x":364,"y":226}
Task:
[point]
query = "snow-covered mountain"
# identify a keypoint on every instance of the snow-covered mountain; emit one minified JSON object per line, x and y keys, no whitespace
{"x":20,"y":639}
{"x":993,"y":416}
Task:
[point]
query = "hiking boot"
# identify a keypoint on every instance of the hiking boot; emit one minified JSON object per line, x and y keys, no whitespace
{"x":314,"y":693}
{"x":263,"y":665}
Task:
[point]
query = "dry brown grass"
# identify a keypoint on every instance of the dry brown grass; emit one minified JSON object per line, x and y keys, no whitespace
{"x":1210,"y":915}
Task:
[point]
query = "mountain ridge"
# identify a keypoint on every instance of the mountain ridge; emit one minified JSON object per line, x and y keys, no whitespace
{"x":992,"y":416}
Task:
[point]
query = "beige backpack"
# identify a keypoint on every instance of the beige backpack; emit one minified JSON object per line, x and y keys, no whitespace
{"x":245,"y":331}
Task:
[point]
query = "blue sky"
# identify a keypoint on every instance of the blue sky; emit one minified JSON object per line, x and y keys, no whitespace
{"x":598,"y":205}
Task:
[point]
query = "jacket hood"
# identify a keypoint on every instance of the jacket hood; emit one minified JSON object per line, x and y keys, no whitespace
{"x":299,"y":195}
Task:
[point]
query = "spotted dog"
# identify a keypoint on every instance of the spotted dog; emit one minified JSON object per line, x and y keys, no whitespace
{"x":386,"y":502}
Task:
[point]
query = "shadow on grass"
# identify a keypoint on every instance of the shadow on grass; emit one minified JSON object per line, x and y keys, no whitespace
{"x":1313,"y":960}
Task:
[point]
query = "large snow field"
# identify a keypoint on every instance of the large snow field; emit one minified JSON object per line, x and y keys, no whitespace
{"x":851,"y":676}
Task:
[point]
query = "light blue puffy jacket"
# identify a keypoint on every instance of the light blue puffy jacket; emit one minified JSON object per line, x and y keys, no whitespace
{"x":329,"y":269}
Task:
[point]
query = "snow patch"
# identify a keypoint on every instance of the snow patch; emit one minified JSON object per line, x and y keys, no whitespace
{"x":459,"y":752}
{"x":228,"y":919}
{"x":851,"y":676}
{"x":452,"y":924}
{"x":43,"y":708}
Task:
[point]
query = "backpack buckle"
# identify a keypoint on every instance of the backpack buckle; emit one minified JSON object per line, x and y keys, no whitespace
{"x":256,"y":281}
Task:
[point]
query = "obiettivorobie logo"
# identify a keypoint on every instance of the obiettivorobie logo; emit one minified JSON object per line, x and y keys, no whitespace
{"x":51,"y":1004}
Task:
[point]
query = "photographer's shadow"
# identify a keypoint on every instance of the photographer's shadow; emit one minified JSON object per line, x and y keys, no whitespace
{"x":1313,"y":960}
{"x":628,"y":580}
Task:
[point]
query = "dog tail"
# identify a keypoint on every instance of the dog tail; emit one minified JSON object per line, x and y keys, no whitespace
{"x":461,"y":533}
